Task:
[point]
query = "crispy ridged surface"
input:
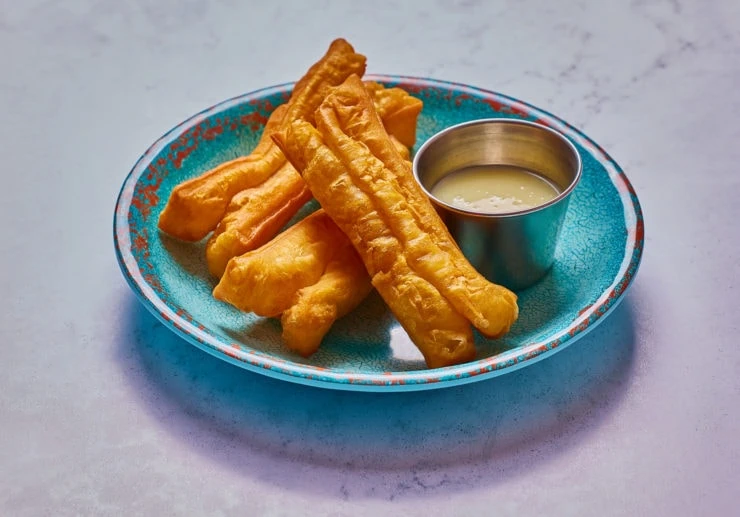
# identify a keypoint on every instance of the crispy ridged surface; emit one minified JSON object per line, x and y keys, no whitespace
{"x":339,"y":62}
{"x":196,"y":206}
{"x":367,"y":188}
{"x":442,"y":335}
{"x":397,"y":109}
{"x":264,"y":281}
{"x":255,"y":216}
{"x":310,"y":273}
{"x":341,"y":288}
{"x":352,"y":129}
{"x":314,"y":308}
{"x":401,"y":148}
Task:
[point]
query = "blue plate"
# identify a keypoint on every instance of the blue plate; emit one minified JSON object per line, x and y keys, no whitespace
{"x":596,"y":260}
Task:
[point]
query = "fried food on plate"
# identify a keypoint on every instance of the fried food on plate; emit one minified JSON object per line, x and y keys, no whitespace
{"x":264,"y":281}
{"x":367,"y":188}
{"x":256,"y":215}
{"x":314,"y":308}
{"x":491,"y":308}
{"x":341,"y":288}
{"x":310,"y":273}
{"x":397,"y":109}
{"x":196,"y":206}
{"x":442,"y":335}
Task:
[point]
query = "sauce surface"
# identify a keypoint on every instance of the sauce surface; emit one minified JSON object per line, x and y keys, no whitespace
{"x":494,"y":189}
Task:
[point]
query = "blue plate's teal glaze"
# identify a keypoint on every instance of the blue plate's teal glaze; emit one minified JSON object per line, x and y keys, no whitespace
{"x":597,"y":257}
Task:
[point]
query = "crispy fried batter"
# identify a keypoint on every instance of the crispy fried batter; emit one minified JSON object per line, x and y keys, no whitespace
{"x":315,"y":308}
{"x":255,"y":216}
{"x":368,"y":190}
{"x":352,"y":130}
{"x":310,"y":273}
{"x":397,"y":109}
{"x":196,"y":206}
{"x":264,"y":281}
{"x":441,"y":333}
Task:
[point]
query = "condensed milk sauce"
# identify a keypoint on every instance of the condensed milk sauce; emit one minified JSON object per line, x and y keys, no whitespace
{"x":494,"y":189}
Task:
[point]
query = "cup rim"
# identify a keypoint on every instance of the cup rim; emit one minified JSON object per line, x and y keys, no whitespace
{"x":502,"y":215}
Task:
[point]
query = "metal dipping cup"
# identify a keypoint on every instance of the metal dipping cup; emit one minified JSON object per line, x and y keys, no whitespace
{"x":514,"y":249}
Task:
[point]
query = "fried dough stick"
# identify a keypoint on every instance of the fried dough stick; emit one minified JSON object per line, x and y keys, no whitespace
{"x":315,"y":307}
{"x":433,"y":294}
{"x":397,"y":109}
{"x":442,"y":335}
{"x":352,"y":130}
{"x":264,"y":281}
{"x":255,"y":215}
{"x":341,"y":288}
{"x":310,"y":273}
{"x":196,"y":206}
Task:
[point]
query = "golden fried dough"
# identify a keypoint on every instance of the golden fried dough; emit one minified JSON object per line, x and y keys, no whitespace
{"x":310,"y":273}
{"x":442,"y":335}
{"x":401,"y":148}
{"x":366,"y":187}
{"x":196,"y":206}
{"x":255,"y":216}
{"x":341,"y":288}
{"x":353,"y":131}
{"x":397,"y":109}
{"x":264,"y":281}
{"x":339,"y":62}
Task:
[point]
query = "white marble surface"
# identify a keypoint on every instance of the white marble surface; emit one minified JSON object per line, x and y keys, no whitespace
{"x":105,"y":412}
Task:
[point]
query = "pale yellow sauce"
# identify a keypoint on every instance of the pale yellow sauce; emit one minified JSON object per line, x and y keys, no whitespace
{"x":494,"y":189}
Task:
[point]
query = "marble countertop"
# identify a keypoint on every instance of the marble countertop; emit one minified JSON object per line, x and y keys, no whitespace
{"x":103,"y":411}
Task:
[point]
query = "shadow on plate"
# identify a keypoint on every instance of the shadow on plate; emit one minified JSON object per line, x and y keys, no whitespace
{"x":377,"y":445}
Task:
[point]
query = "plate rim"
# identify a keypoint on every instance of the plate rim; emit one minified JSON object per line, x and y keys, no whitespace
{"x":285,"y":369}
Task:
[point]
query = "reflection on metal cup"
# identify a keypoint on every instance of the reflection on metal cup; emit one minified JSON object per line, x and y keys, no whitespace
{"x":515,"y":248}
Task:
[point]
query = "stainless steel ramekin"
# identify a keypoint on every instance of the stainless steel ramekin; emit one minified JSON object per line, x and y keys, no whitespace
{"x":514,"y":249}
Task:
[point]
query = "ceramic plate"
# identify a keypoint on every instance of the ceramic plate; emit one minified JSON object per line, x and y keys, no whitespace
{"x":596,"y":260}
